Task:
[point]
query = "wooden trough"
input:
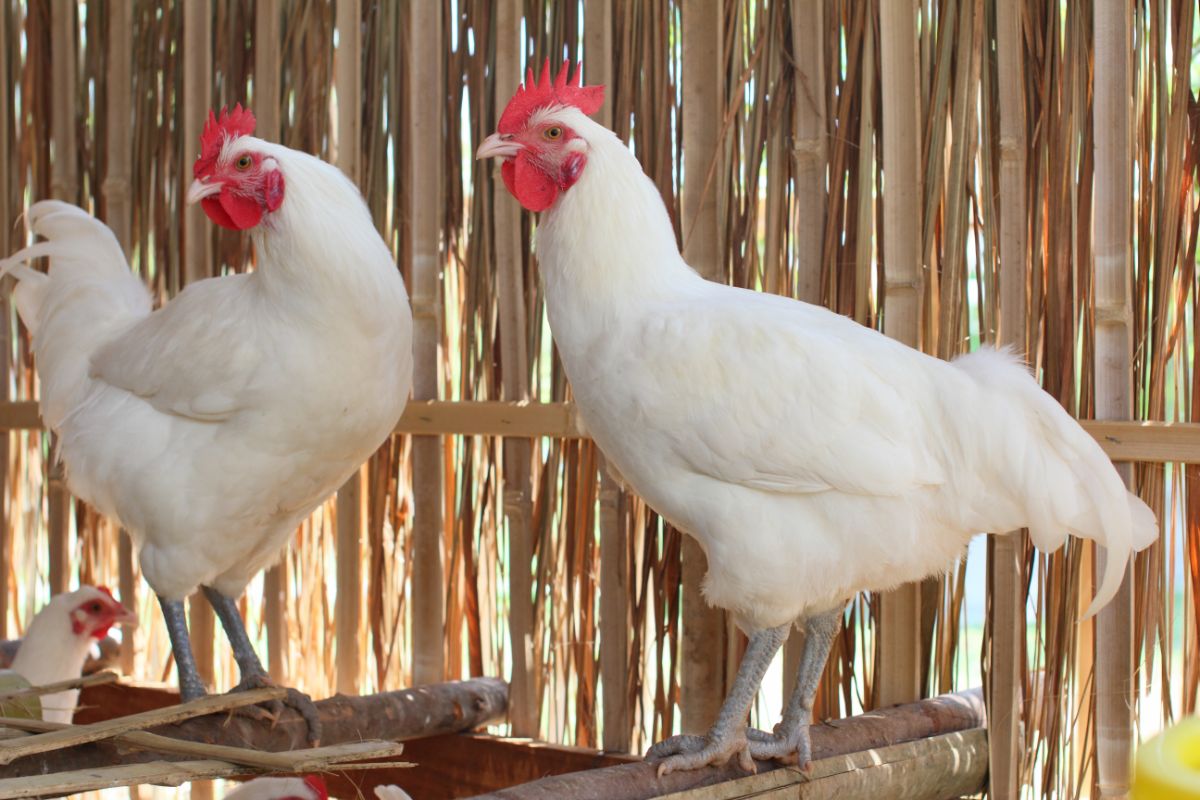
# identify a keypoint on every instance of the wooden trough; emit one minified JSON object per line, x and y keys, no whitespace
{"x":127,"y":734}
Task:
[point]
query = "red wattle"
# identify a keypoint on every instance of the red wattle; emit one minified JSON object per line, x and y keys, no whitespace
{"x":243,"y":212}
{"x":533,"y":188}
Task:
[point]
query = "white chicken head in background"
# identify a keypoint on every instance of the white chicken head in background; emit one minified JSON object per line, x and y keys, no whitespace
{"x":309,"y":787}
{"x":542,"y":156}
{"x":236,"y":184}
{"x":56,"y":644}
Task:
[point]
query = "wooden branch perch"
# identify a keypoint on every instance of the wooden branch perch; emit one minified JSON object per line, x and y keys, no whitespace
{"x":877,"y":730}
{"x":395,"y":716}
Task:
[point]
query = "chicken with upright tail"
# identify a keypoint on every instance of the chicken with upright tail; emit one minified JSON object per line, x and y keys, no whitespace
{"x":811,"y":457}
{"x":212,"y":426}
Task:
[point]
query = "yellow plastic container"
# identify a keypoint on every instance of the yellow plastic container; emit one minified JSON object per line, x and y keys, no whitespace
{"x":1168,"y":765}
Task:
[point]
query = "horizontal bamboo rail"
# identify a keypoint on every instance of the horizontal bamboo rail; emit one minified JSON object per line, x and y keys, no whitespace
{"x":1158,"y":442}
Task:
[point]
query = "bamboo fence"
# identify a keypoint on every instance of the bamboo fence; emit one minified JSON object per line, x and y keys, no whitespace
{"x":768,"y":126}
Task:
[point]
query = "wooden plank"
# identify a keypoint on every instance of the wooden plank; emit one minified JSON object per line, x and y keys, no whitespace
{"x":704,"y":640}
{"x":898,"y":677}
{"x":424,"y":186}
{"x":1112,"y":246}
{"x":82,"y":734}
{"x":1156,"y":442}
{"x":948,"y":714}
{"x":1006,"y":675}
{"x":524,"y":706}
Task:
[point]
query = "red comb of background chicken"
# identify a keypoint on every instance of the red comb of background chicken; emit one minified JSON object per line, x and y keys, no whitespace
{"x":230,"y":125}
{"x":317,"y":785}
{"x":531,"y":96}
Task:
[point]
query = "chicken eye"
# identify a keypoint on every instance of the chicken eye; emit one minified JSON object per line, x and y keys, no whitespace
{"x":244,"y":163}
{"x":97,"y":608}
{"x":552,"y":133}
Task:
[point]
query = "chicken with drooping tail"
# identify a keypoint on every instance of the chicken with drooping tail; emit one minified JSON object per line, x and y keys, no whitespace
{"x":212,"y":426}
{"x":811,"y":457}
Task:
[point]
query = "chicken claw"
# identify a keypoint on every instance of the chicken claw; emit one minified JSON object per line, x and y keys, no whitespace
{"x":272,"y":710}
{"x":793,"y":748}
{"x":692,"y":752}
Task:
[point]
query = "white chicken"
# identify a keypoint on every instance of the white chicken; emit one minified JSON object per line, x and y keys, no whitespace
{"x":213,"y":426}
{"x":811,"y":457}
{"x":310,"y":787}
{"x":57,"y":641}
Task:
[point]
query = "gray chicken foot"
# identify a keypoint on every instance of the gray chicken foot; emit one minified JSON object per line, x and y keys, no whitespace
{"x":253,"y":676}
{"x":727,"y":737}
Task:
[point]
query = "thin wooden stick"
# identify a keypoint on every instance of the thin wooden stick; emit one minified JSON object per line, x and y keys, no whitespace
{"x":81,"y":734}
{"x":315,"y":758}
{"x":58,"y":686}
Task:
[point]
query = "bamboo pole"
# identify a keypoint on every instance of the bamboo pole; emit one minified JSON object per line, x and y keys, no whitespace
{"x":811,"y":147}
{"x":615,"y":621}
{"x":118,"y":213}
{"x":1006,"y":676}
{"x":524,"y":705}
{"x":7,"y":174}
{"x":197,"y":238}
{"x":267,"y":35}
{"x":705,"y":637}
{"x":425,"y":136}
{"x":352,"y":497}
{"x":898,"y":679}
{"x":810,"y":154}
{"x":1112,"y":247}
{"x":64,"y":185}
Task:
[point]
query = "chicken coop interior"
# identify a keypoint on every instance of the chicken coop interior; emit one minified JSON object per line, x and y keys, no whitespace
{"x":487,"y":607}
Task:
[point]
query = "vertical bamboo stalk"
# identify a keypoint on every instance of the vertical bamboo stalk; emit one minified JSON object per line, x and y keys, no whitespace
{"x":705,"y":635}
{"x":351,"y":498}
{"x":6,"y":247}
{"x":614,"y":553}
{"x":810,"y":153}
{"x":267,"y":35}
{"x":811,"y":147}
{"x":197,"y":98}
{"x":424,"y":185}
{"x":64,"y":185}
{"x":899,"y":676}
{"x":514,"y":357}
{"x":118,"y":212}
{"x":1006,"y":676}
{"x":1112,"y":245}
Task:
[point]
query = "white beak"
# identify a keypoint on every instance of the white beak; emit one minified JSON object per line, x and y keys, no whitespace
{"x":200,"y":190}
{"x":498,"y":145}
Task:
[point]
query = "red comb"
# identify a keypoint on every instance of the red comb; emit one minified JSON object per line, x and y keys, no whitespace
{"x":230,"y":125}
{"x":315,"y":783}
{"x":535,"y":95}
{"x":106,"y":590}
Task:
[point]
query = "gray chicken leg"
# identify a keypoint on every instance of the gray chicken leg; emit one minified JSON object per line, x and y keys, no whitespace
{"x":791,"y":741}
{"x":253,"y":676}
{"x":190,"y":685}
{"x":727,"y":737}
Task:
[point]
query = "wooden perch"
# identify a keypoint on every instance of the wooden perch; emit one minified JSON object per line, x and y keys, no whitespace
{"x":878,"y":731}
{"x":395,"y":716}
